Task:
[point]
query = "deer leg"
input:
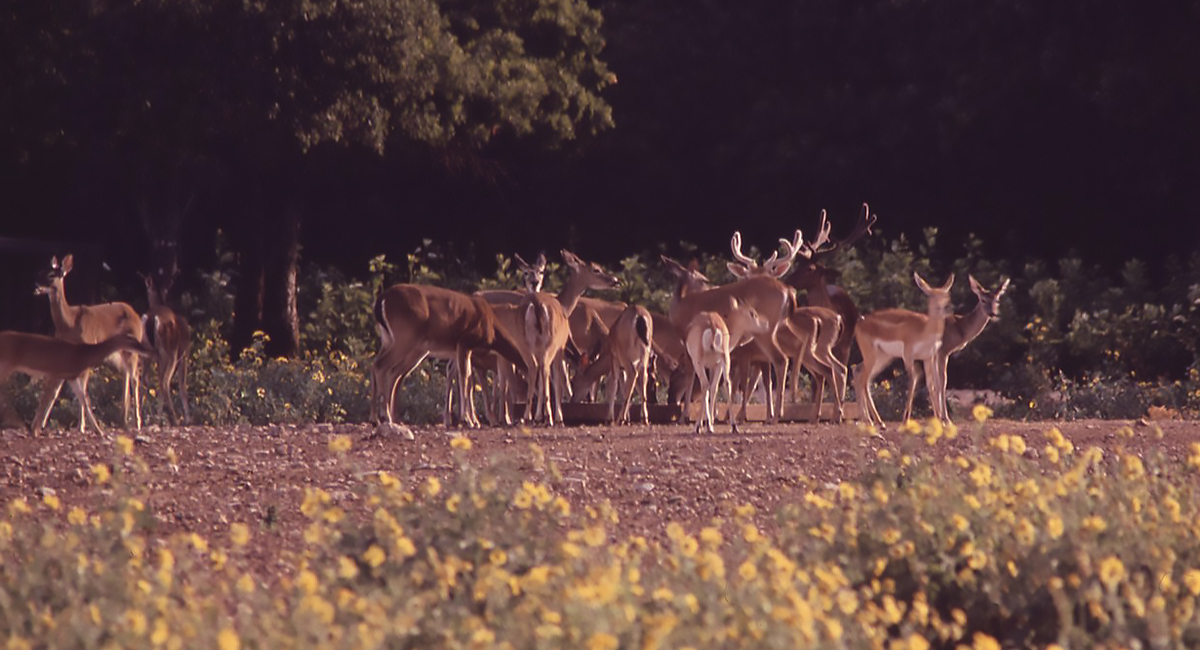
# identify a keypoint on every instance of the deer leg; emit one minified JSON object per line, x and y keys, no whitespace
{"x":166,"y":371}
{"x":50,"y":388}
{"x":645,"y":390}
{"x":868,"y":371}
{"x":910,"y":366}
{"x":183,"y":394}
{"x":392,"y":380}
{"x":80,"y":390}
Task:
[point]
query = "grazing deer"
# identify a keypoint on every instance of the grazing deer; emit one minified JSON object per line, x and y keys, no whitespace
{"x":767,"y":295}
{"x":961,"y":330}
{"x":56,"y":361}
{"x":629,"y":347}
{"x":91,"y":324}
{"x":169,"y":336}
{"x":887,"y":334}
{"x":809,"y":340}
{"x":415,"y":321}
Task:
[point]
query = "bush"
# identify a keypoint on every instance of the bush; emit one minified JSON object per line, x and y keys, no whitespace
{"x":1012,"y":543}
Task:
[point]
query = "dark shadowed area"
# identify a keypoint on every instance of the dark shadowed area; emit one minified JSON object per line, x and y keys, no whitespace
{"x":133,"y":132}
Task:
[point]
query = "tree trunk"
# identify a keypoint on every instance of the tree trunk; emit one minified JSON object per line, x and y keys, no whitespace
{"x":281,"y":260}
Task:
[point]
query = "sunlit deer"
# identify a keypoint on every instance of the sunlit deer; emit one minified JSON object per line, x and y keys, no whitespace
{"x":629,"y":348}
{"x":710,"y":355}
{"x":809,"y":340}
{"x":768,"y":296}
{"x":416,"y":321}
{"x":888,"y":334}
{"x":55,"y":361}
{"x":91,"y":324}
{"x":961,"y":330}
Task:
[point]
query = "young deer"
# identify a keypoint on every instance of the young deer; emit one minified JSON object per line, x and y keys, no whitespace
{"x":91,"y":324}
{"x":169,"y":336}
{"x":708,"y":347}
{"x":961,"y":330}
{"x":546,"y":333}
{"x":629,"y":346}
{"x":56,"y":361}
{"x":887,"y":334}
{"x":710,"y":338}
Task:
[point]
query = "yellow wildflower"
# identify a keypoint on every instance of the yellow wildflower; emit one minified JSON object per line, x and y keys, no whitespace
{"x":1054,"y":526}
{"x":51,"y":501}
{"x":982,"y":641}
{"x":339,"y":444}
{"x":602,"y":641}
{"x":1191,"y":579}
{"x":911,"y":426}
{"x":461,"y":442}
{"x":228,"y":640}
{"x":1112,"y":571}
{"x":136,"y":622}
{"x":981,"y":413}
{"x":125,"y":444}
{"x":239,"y":534}
{"x":1017,"y":444}
{"x":347,"y":568}
{"x":748,"y":571}
{"x":433,"y":486}
{"x":374,"y":556}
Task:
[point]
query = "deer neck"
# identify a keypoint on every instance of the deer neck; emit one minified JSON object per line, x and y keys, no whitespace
{"x":571,"y":292}
{"x":961,"y":330}
{"x":65,"y":317}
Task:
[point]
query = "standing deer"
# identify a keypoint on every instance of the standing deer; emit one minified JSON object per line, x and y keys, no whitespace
{"x":961,"y":330}
{"x":809,"y":340}
{"x":816,"y":280}
{"x":886,"y":334}
{"x":629,"y":346}
{"x":56,"y":361}
{"x":415,"y":321}
{"x":169,"y":336}
{"x":91,"y":324}
{"x":768,"y":296}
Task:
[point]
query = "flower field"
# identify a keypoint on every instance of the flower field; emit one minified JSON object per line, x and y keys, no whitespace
{"x":992,"y":534}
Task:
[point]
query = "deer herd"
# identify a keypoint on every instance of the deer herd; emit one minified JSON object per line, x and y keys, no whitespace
{"x":541,"y":349}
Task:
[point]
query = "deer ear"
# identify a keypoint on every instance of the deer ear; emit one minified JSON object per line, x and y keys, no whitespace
{"x":541,"y":262}
{"x":976,"y":288}
{"x":737,"y":269}
{"x":68,"y":262}
{"x":777,"y":269}
{"x":570,"y":258}
{"x":949,"y":283}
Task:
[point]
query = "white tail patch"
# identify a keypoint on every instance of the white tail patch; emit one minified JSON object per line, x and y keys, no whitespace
{"x":712,"y":340}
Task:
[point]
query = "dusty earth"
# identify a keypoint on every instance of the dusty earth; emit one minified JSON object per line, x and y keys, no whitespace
{"x":651,"y":474}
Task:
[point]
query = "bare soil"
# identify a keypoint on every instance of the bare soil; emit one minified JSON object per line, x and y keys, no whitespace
{"x":651,"y":474}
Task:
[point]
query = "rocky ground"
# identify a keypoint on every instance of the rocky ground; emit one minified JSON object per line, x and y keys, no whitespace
{"x":203,"y":478}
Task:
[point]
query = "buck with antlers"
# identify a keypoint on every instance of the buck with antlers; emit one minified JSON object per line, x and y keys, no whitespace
{"x":812,"y":277}
{"x":809,"y":341}
{"x":767,"y":295}
{"x":169,"y":336}
{"x":417,"y":321}
{"x":888,"y":334}
{"x":961,"y":330}
{"x":91,"y":324}
{"x":56,"y":361}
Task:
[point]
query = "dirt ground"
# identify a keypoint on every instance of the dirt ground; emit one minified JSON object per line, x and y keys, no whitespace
{"x":651,"y":474}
